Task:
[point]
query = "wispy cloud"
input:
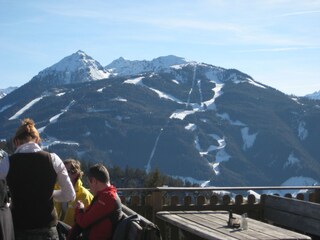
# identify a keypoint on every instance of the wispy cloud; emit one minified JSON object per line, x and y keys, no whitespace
{"x":77,"y":13}
{"x":299,"y":13}
{"x":283,"y":49}
{"x":30,"y":20}
{"x":194,"y":24}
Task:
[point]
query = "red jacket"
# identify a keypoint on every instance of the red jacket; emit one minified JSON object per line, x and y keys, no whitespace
{"x":103,"y":203}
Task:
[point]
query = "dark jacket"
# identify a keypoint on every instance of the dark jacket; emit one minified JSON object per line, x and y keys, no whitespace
{"x":6,"y":225}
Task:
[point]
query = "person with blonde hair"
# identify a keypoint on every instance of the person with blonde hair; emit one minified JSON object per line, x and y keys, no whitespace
{"x":31,"y":175}
{"x":66,"y":210}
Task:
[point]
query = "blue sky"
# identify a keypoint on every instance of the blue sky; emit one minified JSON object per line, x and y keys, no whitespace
{"x":277,"y":42}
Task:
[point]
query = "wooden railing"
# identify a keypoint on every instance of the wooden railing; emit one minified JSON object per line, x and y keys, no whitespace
{"x":148,"y":201}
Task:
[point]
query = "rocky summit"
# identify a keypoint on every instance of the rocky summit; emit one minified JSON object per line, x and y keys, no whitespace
{"x":196,"y":121}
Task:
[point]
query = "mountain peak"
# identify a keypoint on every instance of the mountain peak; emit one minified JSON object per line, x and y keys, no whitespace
{"x":75,"y":61}
{"x":313,"y":96}
{"x":122,"y":67}
{"x":80,"y":52}
{"x":6,"y":91}
{"x":170,"y":60}
{"x":78,"y":67}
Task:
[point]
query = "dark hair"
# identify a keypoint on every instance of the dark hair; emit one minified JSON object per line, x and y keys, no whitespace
{"x":99,"y":172}
{"x":75,"y":166}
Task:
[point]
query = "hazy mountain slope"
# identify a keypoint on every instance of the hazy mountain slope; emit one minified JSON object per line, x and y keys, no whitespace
{"x":185,"y":118}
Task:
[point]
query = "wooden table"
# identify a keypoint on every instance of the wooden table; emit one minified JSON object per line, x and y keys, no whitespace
{"x":213,"y":225}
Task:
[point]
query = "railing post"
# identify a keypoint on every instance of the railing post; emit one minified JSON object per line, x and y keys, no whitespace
{"x":156,"y":203}
{"x":187,"y":201}
{"x":226,"y":200}
{"x":317,"y":195}
{"x":239,"y":200}
{"x":214,"y":200}
{"x":251,"y":199}
{"x":300,"y":196}
{"x":201,"y":200}
{"x":174,"y":201}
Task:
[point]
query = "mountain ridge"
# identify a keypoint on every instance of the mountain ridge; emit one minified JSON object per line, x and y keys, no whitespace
{"x":6,"y":91}
{"x":314,"y":96}
{"x":122,"y":66}
{"x":189,"y":120}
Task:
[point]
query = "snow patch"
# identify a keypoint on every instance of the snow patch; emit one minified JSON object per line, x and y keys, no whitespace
{"x":222,"y":156}
{"x":119,"y":99}
{"x":226,"y":117}
{"x":202,"y":183}
{"x":148,"y":166}
{"x":135,"y":81}
{"x":175,"y":81}
{"x":50,"y":141}
{"x":25,"y":108}
{"x":302,"y":131}
{"x":181,"y":114}
{"x":191,"y":127}
{"x":255,"y":83}
{"x":6,"y":107}
{"x":55,"y":118}
{"x":165,"y":95}
{"x":292,"y":161}
{"x":248,"y":139}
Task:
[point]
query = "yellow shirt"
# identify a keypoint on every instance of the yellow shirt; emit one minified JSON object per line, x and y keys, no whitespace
{"x":82,"y":194}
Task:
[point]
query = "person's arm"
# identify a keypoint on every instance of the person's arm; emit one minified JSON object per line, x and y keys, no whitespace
{"x":66,"y":192}
{"x":4,"y":164}
{"x":86,"y":198}
{"x":100,"y":208}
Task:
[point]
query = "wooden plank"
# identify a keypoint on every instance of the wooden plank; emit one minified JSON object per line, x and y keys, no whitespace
{"x":292,"y":213}
{"x":278,"y":231}
{"x":271,"y":230}
{"x":286,"y":219}
{"x":221,"y":219}
{"x":259,"y":230}
{"x":192,"y":227}
{"x":268,"y":231}
{"x":298,"y":207}
{"x":215,"y":224}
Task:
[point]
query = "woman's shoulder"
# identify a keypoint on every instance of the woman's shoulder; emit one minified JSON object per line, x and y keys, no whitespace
{"x":56,"y":160}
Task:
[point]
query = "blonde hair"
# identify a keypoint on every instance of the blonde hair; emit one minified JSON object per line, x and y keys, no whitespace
{"x":27,"y":131}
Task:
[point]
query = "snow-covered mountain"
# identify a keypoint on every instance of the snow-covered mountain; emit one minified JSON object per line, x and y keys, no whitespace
{"x":6,"y":91}
{"x":313,"y":96}
{"x":190,"y":120}
{"x":76,"y":68}
{"x":123,"y":67}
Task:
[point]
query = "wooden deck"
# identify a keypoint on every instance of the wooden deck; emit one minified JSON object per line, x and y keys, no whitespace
{"x":213,"y":225}
{"x":149,"y":201}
